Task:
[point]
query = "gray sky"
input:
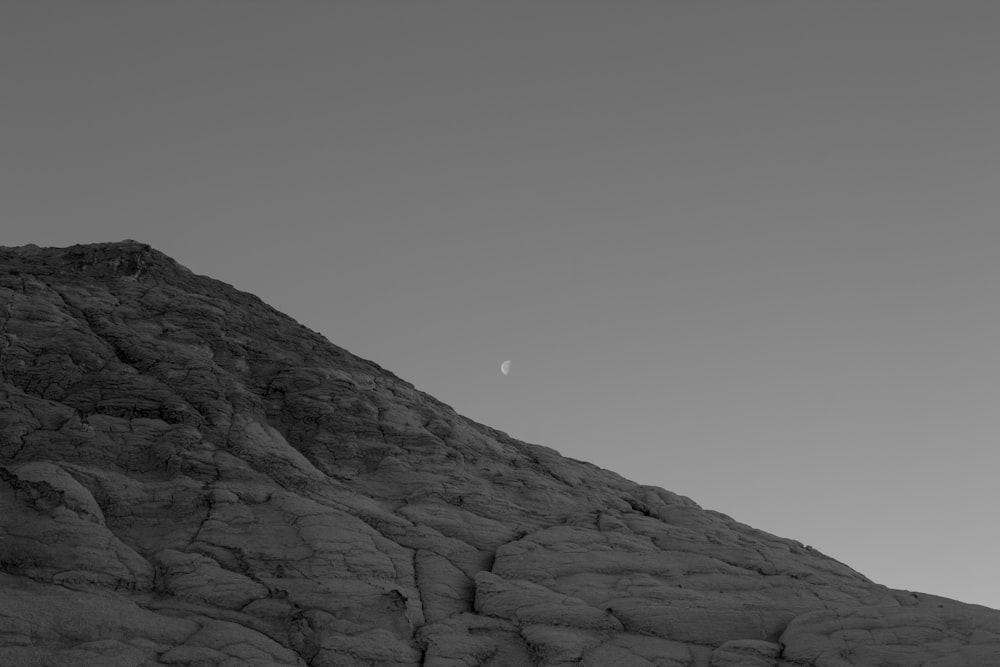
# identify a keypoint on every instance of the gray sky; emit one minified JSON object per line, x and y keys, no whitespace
{"x":745,"y":251}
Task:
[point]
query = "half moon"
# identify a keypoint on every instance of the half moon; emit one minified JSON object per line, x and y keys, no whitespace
{"x":505,"y":367}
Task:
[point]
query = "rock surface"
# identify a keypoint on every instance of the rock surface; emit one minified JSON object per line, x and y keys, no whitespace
{"x":188,"y":477}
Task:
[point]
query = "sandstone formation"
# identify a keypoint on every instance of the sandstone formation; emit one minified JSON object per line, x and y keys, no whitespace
{"x":188,"y":477}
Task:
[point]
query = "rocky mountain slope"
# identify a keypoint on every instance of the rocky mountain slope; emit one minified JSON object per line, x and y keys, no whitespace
{"x":189,"y":477}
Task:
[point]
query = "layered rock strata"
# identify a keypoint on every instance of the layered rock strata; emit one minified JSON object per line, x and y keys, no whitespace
{"x":189,"y":477}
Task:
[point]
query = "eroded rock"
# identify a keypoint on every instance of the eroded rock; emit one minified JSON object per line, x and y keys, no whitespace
{"x":188,"y":477}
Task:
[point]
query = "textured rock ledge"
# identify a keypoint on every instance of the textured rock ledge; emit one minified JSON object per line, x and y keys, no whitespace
{"x":188,"y":477}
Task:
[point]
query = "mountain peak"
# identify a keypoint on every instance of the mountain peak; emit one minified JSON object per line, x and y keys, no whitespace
{"x":126,"y":259}
{"x":189,"y":476}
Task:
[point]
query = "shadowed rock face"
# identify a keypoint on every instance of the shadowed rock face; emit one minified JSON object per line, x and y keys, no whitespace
{"x":188,"y":477}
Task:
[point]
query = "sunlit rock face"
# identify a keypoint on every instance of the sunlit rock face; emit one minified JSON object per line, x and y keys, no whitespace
{"x":189,"y":477}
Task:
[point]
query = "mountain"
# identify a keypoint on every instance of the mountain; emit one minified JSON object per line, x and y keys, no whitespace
{"x":190,"y":477}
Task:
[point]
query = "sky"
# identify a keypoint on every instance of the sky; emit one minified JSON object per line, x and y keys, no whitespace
{"x":744,"y":251}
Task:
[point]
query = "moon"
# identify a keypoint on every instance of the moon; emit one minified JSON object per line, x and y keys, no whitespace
{"x":505,"y":367}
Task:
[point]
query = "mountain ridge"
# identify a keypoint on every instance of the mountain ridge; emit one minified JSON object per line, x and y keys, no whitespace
{"x":189,"y":476}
